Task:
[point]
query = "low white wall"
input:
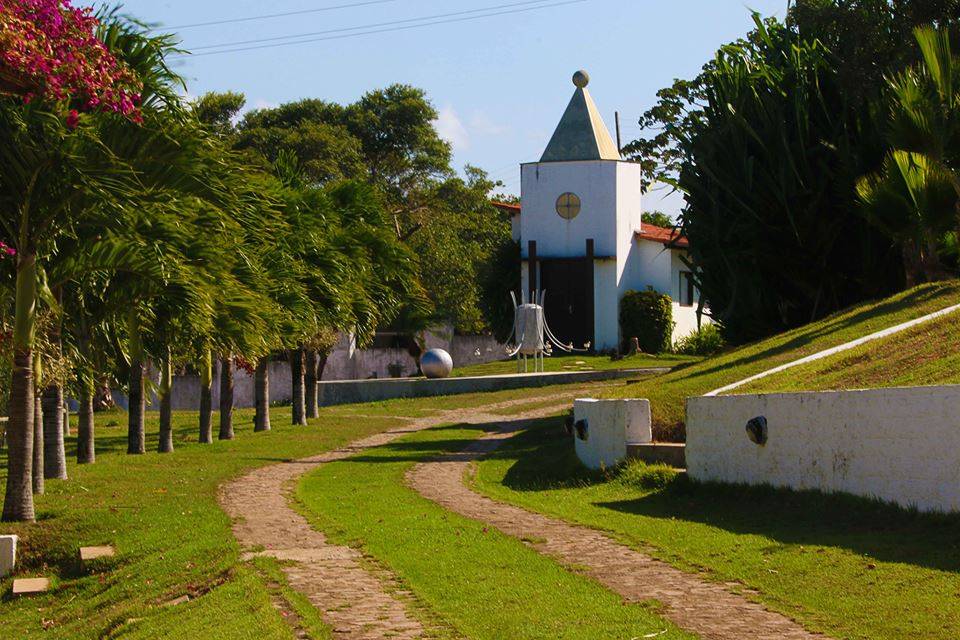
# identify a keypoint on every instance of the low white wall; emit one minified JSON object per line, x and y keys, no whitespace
{"x":349,"y":363}
{"x":611,"y":425}
{"x":901,"y":445}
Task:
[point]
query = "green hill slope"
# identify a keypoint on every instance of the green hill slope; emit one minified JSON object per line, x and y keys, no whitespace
{"x":668,"y":392}
{"x":926,"y":354}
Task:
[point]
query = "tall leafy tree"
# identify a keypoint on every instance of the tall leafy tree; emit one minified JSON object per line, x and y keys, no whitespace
{"x":822,"y":72}
{"x":47,"y":165}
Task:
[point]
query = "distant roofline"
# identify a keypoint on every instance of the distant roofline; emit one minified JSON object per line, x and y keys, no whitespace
{"x":668,"y":237}
{"x":523,"y":164}
{"x":506,"y":206}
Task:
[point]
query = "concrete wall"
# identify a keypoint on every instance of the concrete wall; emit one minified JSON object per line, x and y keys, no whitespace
{"x":900,"y":445}
{"x":355,"y":391}
{"x":345,"y":363}
{"x":610,"y":426}
{"x":186,"y":389}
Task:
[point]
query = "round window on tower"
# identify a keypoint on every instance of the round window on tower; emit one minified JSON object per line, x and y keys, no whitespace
{"x":568,"y":206}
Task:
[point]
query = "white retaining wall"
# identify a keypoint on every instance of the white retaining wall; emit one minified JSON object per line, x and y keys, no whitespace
{"x":611,"y":425}
{"x":901,"y":445}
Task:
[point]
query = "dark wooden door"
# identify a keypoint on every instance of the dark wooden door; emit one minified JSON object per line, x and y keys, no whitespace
{"x":569,"y":305}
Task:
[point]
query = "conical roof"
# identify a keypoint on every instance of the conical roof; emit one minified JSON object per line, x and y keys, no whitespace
{"x":581,"y":134}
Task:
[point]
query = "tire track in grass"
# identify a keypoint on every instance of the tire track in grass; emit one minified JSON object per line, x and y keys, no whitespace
{"x":354,"y":600}
{"x":690,"y":602}
{"x":479,"y":583}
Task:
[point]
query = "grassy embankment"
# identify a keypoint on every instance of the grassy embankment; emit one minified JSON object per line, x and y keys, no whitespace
{"x":668,"y":392}
{"x":926,"y":354}
{"x":172,"y":539}
{"x":850,"y":567}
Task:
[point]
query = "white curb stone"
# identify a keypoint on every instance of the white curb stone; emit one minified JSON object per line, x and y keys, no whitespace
{"x":8,"y":554}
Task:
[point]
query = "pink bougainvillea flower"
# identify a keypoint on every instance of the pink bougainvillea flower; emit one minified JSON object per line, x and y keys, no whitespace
{"x":48,"y":51}
{"x":7,"y":250}
{"x":73,"y":119}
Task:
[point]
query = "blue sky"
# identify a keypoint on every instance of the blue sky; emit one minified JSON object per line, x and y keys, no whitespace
{"x":500,"y":82}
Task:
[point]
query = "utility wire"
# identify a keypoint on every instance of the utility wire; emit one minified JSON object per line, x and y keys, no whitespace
{"x":274,"y":15}
{"x":386,"y":30}
{"x":367,"y":26}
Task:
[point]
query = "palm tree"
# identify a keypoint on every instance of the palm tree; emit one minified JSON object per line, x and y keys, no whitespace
{"x":915,"y":199}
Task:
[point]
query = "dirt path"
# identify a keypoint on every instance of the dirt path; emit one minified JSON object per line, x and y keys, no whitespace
{"x":356,"y":601}
{"x":692,"y":603}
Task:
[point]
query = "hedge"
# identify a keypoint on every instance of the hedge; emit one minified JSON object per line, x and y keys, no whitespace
{"x":647,"y":316}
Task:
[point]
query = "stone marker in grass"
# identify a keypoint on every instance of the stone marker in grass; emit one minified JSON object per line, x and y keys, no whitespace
{"x":8,"y":554}
{"x":30,"y":586}
{"x":91,"y":554}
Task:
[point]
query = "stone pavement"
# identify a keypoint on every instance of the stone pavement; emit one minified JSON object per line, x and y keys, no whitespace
{"x":693,"y":603}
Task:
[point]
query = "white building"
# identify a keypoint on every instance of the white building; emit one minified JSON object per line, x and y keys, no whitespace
{"x":581,"y":237}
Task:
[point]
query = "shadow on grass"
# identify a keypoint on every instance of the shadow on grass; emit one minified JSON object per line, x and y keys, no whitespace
{"x":544,"y":459}
{"x":425,"y":450}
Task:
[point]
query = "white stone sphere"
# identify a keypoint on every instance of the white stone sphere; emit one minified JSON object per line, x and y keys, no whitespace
{"x":436,"y":363}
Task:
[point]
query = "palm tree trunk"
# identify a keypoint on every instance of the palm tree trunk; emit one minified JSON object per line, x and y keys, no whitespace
{"x":136,"y":409}
{"x":38,"y":445}
{"x":86,"y":450}
{"x":298,"y":401}
{"x":226,"y":399}
{"x":165,"y":443}
{"x":206,"y":398}
{"x":54,"y":454}
{"x":137,"y":401}
{"x":321,"y":365}
{"x":18,"y":498}
{"x":310,"y":381}
{"x":261,"y":387}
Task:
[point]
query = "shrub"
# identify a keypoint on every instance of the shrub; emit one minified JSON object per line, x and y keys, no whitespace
{"x":705,"y":341}
{"x":647,"y":316}
{"x":649,"y":477}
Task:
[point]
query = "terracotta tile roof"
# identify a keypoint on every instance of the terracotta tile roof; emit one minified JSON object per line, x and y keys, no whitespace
{"x":669,"y":237}
{"x":506,"y":206}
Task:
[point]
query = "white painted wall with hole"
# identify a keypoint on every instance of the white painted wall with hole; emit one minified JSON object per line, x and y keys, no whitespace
{"x":901,"y":445}
{"x":603,"y":428}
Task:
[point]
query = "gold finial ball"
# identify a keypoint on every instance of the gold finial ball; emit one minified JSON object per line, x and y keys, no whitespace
{"x":581,"y":79}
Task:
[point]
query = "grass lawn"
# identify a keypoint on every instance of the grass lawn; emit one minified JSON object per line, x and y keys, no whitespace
{"x":668,"y":391}
{"x":172,"y":539}
{"x":582,"y":362}
{"x":924,"y":355}
{"x":474,"y":581}
{"x":846,"y":566}
{"x":161,"y":514}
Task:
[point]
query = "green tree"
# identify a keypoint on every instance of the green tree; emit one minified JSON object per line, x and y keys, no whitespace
{"x":916,"y":197}
{"x":791,"y":244}
{"x":656,"y":218}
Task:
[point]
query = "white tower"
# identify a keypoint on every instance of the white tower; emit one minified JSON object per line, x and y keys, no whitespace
{"x":580,"y":209}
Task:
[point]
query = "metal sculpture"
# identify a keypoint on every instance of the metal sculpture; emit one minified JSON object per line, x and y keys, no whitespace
{"x":533,"y":335}
{"x":436,"y":363}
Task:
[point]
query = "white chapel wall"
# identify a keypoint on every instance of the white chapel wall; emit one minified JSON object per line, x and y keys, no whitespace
{"x":543,"y":183}
{"x":900,"y":445}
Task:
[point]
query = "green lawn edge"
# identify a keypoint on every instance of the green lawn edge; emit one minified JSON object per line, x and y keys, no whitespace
{"x":473,"y":580}
{"x":846,"y":566}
